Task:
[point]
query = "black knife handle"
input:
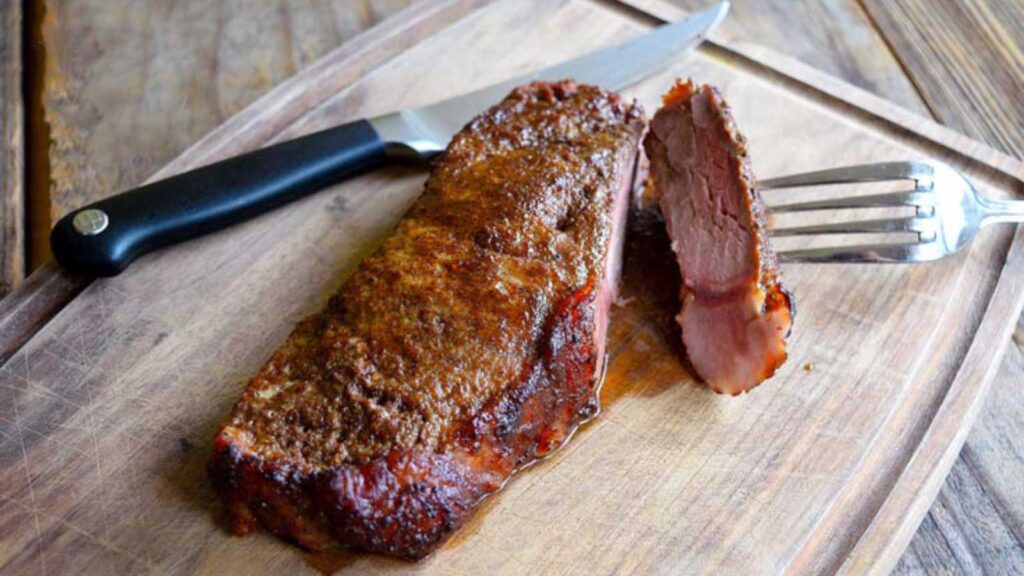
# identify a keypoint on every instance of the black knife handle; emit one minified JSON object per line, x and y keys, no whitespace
{"x":101,"y":239}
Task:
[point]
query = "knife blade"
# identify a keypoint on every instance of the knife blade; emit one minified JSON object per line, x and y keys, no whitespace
{"x":101,"y":239}
{"x":427,"y":130}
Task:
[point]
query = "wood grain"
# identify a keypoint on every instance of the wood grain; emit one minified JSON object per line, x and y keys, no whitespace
{"x":778,"y":33}
{"x":31,"y":305}
{"x":49,"y":289}
{"x":763,"y":28}
{"x":12,"y":121}
{"x":977,"y":522}
{"x":989,"y":549}
{"x":834,"y":36}
{"x":967,"y":60}
{"x":980,"y":531}
{"x":129,"y":381}
{"x":129,"y":85}
{"x":834,"y":92}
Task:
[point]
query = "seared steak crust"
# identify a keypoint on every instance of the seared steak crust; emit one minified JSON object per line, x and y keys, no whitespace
{"x":467,"y":346}
{"x":735,"y":313}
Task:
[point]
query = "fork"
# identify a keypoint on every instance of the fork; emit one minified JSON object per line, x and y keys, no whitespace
{"x":949,"y":212}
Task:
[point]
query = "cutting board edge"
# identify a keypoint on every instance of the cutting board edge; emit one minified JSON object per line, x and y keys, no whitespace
{"x":26,"y":309}
{"x":891,"y":530}
{"x":880,"y":546}
{"x":903,"y":124}
{"x":48,"y":290}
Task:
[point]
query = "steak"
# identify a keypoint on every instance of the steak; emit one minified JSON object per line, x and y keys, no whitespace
{"x":735,"y":314}
{"x":470,"y":344}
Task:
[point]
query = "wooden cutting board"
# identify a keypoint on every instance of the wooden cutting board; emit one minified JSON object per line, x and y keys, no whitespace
{"x":107,"y":411}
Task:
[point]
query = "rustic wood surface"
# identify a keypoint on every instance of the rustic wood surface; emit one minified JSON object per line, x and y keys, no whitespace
{"x":838,"y":36}
{"x":129,"y":85}
{"x":12,"y":150}
{"x":834,"y":36}
{"x":105,"y":353}
{"x":974,"y":525}
{"x":31,"y":305}
{"x":966,"y":59}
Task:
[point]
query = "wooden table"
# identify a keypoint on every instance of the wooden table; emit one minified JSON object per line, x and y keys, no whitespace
{"x":116,"y":89}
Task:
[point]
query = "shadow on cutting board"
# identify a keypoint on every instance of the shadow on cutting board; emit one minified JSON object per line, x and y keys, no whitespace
{"x":643,"y":335}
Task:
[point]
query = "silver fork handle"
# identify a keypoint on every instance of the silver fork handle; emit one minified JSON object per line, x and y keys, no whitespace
{"x":1000,"y":211}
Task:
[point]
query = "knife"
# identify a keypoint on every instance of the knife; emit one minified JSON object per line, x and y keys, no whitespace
{"x":101,"y":239}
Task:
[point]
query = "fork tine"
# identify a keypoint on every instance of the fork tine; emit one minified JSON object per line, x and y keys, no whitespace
{"x":919,"y":225}
{"x":868,"y":253}
{"x":868,"y":201}
{"x":918,"y":171}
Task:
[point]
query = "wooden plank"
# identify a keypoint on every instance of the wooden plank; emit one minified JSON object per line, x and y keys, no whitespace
{"x":964,"y":531}
{"x":994,"y":449}
{"x":752,"y":27}
{"x":31,"y":305}
{"x":879,"y":549}
{"x":163,"y":58}
{"x":987,"y":547}
{"x":12,"y":150}
{"x":967,"y":60}
{"x":129,"y":85}
{"x":977,"y":522}
{"x":834,"y":36}
{"x":1002,"y":466}
{"x":48,"y":289}
{"x":835,"y":92}
{"x":130,"y":380}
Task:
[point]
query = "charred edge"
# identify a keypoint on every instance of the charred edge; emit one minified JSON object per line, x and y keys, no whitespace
{"x":408,"y":503}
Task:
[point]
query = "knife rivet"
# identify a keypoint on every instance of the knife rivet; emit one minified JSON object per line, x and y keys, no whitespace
{"x":90,"y":222}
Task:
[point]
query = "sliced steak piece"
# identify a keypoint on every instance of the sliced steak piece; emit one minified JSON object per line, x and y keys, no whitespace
{"x":735,"y":313}
{"x":467,"y":346}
